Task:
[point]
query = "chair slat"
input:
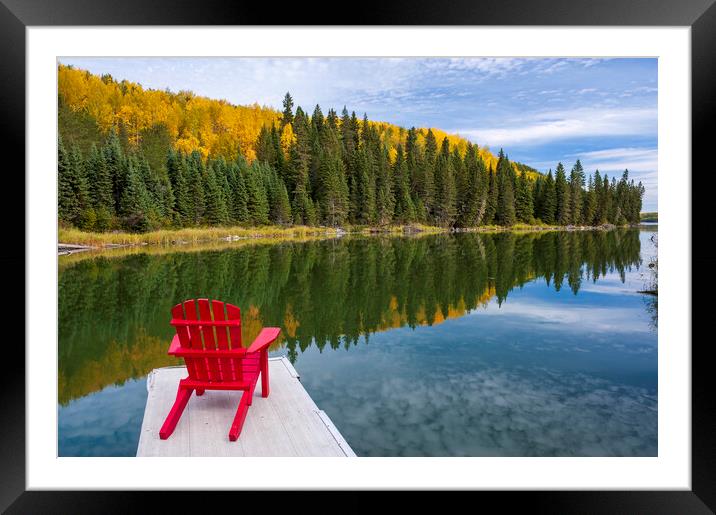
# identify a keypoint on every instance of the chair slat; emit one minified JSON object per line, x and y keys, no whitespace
{"x":183,"y":333}
{"x":196,"y":343}
{"x":207,"y":331}
{"x":215,"y":323}
{"x":222,"y":340}
{"x":234,"y":313}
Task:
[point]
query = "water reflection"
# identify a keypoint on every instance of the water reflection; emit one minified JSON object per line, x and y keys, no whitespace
{"x":113,"y":313}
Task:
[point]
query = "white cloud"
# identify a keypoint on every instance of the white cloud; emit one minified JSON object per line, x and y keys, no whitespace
{"x":544,"y":127}
{"x":618,"y":159}
{"x":590,"y":319}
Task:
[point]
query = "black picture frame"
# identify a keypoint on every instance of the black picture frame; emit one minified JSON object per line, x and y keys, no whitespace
{"x":700,"y":15}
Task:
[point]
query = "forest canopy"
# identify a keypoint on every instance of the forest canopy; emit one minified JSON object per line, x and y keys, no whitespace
{"x":141,"y":159}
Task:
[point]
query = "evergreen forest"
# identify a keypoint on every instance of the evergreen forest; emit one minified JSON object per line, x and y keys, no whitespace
{"x":136,"y":159}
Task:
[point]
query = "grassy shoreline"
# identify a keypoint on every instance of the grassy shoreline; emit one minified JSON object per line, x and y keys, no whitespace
{"x":194,"y":235}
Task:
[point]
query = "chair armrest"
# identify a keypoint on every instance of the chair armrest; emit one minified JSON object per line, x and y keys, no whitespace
{"x":265,"y":338}
{"x":175,"y":345}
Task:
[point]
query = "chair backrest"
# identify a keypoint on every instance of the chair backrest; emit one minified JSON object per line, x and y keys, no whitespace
{"x":208,"y":326}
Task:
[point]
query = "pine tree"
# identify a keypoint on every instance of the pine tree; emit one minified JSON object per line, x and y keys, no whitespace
{"x":460,"y":181}
{"x":195,"y":189}
{"x":505,"y":186}
{"x":492,"y":198}
{"x":280,"y":207}
{"x":216,"y":210}
{"x":135,"y":199}
{"x":100,"y":182}
{"x":548,"y":213}
{"x":474,"y":197}
{"x":256,"y":199}
{"x":590,"y":204}
{"x":385,"y":201}
{"x":364,"y":207}
{"x":576,"y":185}
{"x":303,"y":211}
{"x":176,"y":170}
{"x":287,"y":109}
{"x":427,"y":179}
{"x":332,"y":187}
{"x":444,"y":209}
{"x":66,"y":200}
{"x":333,"y":192}
{"x":266,"y":146}
{"x":404,"y":209}
{"x":239,"y":195}
{"x":114,"y":159}
{"x":524,"y":205}
{"x":599,"y":212}
{"x":538,"y":198}
{"x":563,"y":215}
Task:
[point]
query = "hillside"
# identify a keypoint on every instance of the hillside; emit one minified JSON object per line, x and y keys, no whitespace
{"x":139,"y":160}
{"x":155,"y":121}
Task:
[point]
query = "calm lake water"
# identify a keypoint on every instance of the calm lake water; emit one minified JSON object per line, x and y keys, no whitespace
{"x":447,"y":345}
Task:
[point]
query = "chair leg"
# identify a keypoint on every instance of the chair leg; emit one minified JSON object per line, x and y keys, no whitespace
{"x":251,"y":394}
{"x":200,"y":391}
{"x":177,"y":409}
{"x":264,"y":374}
{"x":238,"y":423}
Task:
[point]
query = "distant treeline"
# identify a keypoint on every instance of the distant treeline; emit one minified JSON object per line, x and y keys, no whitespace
{"x":650,"y":217}
{"x":330,"y":170}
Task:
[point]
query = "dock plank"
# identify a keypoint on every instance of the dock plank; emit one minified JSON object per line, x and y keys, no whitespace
{"x":286,"y":423}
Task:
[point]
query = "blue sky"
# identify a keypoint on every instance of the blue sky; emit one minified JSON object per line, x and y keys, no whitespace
{"x":540,"y":110}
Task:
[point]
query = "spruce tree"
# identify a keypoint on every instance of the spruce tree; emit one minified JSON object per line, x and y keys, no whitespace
{"x":590,"y":203}
{"x":177,"y":170}
{"x":492,"y":198}
{"x":427,"y":193}
{"x":599,"y":214}
{"x":266,"y":146}
{"x":538,"y":198}
{"x":474,"y":196}
{"x":444,"y":208}
{"x":114,"y":160}
{"x":239,"y":195}
{"x":332,"y":187}
{"x":216,"y":210}
{"x":280,"y":211}
{"x":287,"y":116}
{"x":256,"y":199}
{"x":505,"y":186}
{"x":365,"y":209}
{"x":67,"y":203}
{"x":302,"y":207}
{"x":195,"y":189}
{"x":404,"y":209}
{"x":524,"y":205}
{"x":100,"y":183}
{"x":385,"y":200}
{"x":548,"y":213}
{"x":135,"y":199}
{"x":563,"y":214}
{"x":576,"y":185}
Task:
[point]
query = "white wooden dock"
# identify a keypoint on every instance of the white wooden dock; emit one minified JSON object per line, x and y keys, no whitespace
{"x":286,"y":423}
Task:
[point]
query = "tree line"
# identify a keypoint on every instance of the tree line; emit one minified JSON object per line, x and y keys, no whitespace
{"x":330,"y":170}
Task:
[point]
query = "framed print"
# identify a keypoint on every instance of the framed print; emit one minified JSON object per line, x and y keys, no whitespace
{"x":427,"y":244}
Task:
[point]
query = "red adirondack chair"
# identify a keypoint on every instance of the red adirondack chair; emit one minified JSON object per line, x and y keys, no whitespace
{"x":214,"y":360}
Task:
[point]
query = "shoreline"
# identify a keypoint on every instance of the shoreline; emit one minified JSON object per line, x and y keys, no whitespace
{"x":72,"y":241}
